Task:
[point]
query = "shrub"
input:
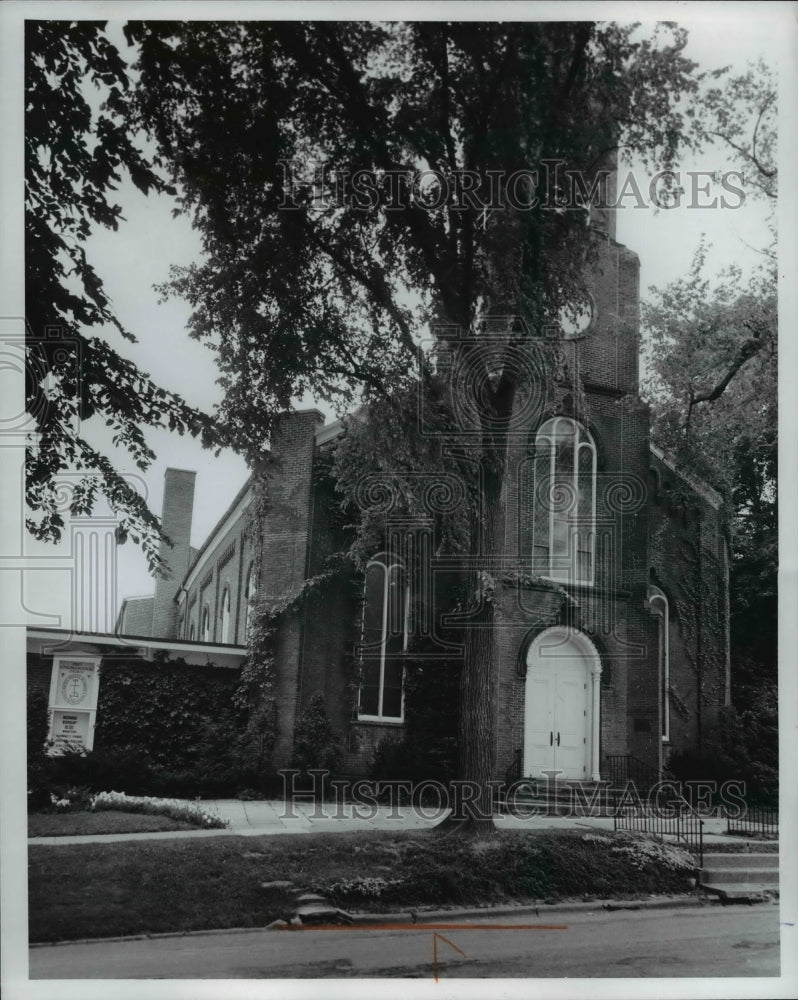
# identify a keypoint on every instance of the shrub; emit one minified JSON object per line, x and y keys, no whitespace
{"x":745,"y":748}
{"x":428,"y":749}
{"x":316,"y":743}
{"x":163,"y":712}
{"x":37,"y":727}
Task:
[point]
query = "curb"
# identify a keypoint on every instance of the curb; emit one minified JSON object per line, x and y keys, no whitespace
{"x":536,"y":909}
{"x":431,"y":916}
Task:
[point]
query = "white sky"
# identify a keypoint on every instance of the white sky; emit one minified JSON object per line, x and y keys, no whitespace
{"x":140,"y":253}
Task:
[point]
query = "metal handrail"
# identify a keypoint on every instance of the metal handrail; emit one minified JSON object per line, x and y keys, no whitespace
{"x":756,"y":819}
{"x":625,"y":767}
{"x":515,"y":771}
{"x":678,"y":819}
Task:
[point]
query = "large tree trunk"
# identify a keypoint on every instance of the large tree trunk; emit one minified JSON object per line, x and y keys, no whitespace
{"x":473,"y":806}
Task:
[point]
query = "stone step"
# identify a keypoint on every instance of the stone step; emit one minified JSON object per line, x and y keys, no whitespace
{"x":739,"y":891}
{"x":722,"y":876}
{"x":714,"y":859}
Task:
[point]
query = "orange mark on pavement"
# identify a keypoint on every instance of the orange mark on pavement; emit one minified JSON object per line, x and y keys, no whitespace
{"x":427,"y":927}
{"x":435,"y":952}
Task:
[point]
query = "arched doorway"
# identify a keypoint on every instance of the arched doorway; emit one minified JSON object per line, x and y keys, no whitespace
{"x":561,"y":708}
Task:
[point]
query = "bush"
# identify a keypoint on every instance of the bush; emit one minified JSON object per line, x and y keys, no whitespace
{"x":316,"y":743}
{"x":745,"y":749}
{"x":428,"y":749}
{"x":164,"y":712}
{"x":37,"y":727}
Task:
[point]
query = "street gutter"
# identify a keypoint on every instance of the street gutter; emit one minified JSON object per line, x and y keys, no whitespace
{"x":420,"y":918}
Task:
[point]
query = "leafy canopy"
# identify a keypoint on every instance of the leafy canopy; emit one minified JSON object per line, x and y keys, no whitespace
{"x":305,"y":296}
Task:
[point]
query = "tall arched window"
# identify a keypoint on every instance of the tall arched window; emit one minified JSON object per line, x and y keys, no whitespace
{"x":384,"y":641}
{"x":564,"y":502}
{"x":191,"y":632}
{"x":205,"y":632}
{"x":658,"y":603}
{"x":225,"y":632}
{"x":252,"y":586}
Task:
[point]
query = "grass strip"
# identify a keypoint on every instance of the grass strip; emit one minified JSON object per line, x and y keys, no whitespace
{"x":103,"y":890}
{"x":92,"y":823}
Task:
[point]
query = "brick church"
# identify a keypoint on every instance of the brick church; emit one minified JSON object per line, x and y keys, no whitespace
{"x":611,"y":645}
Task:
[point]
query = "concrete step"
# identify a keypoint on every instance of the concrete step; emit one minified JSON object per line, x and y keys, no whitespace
{"x":738,"y":876}
{"x":737,"y":859}
{"x":740,"y":891}
{"x":721,"y":876}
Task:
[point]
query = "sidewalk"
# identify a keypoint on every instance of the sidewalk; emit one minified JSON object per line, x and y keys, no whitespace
{"x":270,"y":818}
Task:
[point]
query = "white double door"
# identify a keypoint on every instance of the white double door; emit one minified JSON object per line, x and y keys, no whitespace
{"x":557,"y":717}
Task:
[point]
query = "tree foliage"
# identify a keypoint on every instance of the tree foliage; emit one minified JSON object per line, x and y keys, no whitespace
{"x":713,"y":387}
{"x":78,"y":147}
{"x":311,"y":295}
{"x":739,"y":113}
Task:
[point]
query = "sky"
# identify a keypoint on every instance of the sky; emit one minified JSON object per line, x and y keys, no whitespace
{"x":138,"y":256}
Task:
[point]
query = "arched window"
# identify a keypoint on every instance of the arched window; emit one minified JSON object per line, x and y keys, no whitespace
{"x":252,"y":586}
{"x":384,"y":641}
{"x":225,"y":634}
{"x":191,"y":632}
{"x":205,"y":632}
{"x":658,"y":603}
{"x":564,"y":500}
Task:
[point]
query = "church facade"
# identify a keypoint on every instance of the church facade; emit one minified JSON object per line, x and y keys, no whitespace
{"x":611,"y":641}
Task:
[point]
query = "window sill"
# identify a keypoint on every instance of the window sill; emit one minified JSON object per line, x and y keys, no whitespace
{"x":375,"y":720}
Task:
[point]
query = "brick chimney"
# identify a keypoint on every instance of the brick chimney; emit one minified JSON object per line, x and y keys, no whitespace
{"x":176,"y":514}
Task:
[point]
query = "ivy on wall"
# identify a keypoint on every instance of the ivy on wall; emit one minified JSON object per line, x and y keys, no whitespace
{"x":164,"y":710}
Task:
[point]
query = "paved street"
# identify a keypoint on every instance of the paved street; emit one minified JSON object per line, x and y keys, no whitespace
{"x":705,"y":941}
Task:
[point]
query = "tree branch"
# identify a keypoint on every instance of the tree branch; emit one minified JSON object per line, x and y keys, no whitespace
{"x":769,"y":173}
{"x":748,"y":350}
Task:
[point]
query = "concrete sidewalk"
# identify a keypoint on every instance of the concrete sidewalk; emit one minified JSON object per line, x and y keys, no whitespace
{"x":269,"y":818}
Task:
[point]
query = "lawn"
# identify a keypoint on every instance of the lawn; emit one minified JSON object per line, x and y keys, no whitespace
{"x":109,"y":821}
{"x":180,"y":885}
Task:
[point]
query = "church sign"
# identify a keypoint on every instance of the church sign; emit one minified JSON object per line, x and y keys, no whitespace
{"x":73,"y":703}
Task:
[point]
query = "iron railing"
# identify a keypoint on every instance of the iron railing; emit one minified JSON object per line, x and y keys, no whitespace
{"x":621,"y":768}
{"x":516,"y":770}
{"x":668,"y":814}
{"x":755,"y":820}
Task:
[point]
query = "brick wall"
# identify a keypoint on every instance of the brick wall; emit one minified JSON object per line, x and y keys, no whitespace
{"x":608,"y":354}
{"x":685,"y":539}
{"x":222,"y":566}
{"x":285,"y":539}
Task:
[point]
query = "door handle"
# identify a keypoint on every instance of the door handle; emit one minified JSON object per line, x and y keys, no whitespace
{"x":551,"y":739}
{"x":558,"y":739}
